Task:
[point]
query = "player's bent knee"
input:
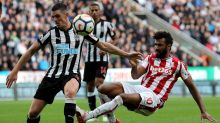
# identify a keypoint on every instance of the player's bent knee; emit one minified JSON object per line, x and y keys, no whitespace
{"x":101,"y":88}
{"x":70,"y":93}
{"x":98,"y":82}
{"x":123,"y":96}
{"x":118,"y":100}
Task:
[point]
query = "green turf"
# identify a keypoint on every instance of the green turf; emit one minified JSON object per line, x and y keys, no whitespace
{"x":176,"y":110}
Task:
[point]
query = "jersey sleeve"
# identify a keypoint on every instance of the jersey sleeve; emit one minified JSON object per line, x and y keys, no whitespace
{"x":44,"y":39}
{"x":184,"y":73}
{"x":91,"y":39}
{"x":111,"y":30}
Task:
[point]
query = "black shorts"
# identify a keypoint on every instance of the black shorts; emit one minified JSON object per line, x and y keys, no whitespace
{"x":95,"y":69}
{"x":49,"y":87}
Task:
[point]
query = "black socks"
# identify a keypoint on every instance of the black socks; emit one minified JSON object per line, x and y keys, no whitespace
{"x":34,"y":120}
{"x":92,"y":102}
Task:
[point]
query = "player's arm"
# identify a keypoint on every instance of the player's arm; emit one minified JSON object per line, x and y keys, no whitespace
{"x":137,"y":71}
{"x":111,"y":48}
{"x":114,"y":40}
{"x":193,"y":90}
{"x":108,"y":47}
{"x":115,"y":50}
{"x":41,"y":43}
{"x":197,"y":97}
{"x":12,"y":77}
{"x":137,"y":68}
{"x":186,"y":77}
{"x":103,"y":52}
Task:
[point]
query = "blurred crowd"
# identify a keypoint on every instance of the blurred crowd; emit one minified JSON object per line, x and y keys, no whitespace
{"x":197,"y":18}
{"x":24,"y":21}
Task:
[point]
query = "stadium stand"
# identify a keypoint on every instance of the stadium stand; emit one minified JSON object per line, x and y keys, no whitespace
{"x":196,"y":18}
{"x":20,"y":26}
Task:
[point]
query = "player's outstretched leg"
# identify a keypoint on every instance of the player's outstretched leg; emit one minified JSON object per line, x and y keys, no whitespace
{"x":83,"y":116}
{"x":110,"y":117}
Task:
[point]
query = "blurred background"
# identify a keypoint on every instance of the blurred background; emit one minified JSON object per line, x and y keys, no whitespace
{"x":194,"y":24}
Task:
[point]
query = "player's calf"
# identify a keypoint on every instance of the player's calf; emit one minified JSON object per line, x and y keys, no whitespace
{"x":69,"y":110}
{"x":91,"y":100}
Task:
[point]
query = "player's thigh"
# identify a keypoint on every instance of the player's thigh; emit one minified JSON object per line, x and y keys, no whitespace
{"x":36,"y":107}
{"x":150,"y":102}
{"x":47,"y":90}
{"x":147,"y":96}
{"x":71,"y":88}
{"x":131,"y":101}
{"x":111,"y":89}
{"x":149,"y":99}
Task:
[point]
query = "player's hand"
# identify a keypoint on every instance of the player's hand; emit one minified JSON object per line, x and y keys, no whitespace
{"x":11,"y":78}
{"x":133,"y":62}
{"x":206,"y":116}
{"x":135,"y":56}
{"x":102,"y":53}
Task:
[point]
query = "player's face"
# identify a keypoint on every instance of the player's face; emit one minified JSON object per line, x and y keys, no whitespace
{"x":95,"y":12}
{"x":60,"y":18}
{"x":161,"y":48}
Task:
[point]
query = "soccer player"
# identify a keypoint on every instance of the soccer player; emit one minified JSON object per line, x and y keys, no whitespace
{"x":160,"y":72}
{"x":96,"y":62}
{"x":65,"y":46}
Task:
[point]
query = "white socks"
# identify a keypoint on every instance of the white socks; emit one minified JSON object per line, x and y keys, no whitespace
{"x":90,"y":94}
{"x":103,"y":98}
{"x":110,"y":116}
{"x":105,"y":108}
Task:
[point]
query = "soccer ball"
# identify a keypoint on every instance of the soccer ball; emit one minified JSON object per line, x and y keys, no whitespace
{"x":83,"y":24}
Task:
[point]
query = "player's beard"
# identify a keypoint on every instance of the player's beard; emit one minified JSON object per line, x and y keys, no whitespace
{"x":161,"y":54}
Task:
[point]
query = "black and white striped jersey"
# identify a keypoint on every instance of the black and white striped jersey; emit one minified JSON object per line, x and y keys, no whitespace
{"x":65,"y":47}
{"x":105,"y":31}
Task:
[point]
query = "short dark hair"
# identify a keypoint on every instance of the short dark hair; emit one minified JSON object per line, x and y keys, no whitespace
{"x":60,"y":6}
{"x":97,"y":4}
{"x":164,"y":34}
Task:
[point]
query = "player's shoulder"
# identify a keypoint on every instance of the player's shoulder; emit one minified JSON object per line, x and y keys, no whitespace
{"x":104,"y":21}
{"x":51,"y":28}
{"x":176,"y":59}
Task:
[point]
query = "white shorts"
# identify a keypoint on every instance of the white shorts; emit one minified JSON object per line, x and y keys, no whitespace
{"x":149,"y":100}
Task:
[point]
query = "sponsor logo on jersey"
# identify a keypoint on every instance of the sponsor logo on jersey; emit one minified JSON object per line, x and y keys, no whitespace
{"x":64,"y":49}
{"x":161,"y":70}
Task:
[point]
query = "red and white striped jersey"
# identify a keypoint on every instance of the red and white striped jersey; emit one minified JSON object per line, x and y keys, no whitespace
{"x":161,"y":74}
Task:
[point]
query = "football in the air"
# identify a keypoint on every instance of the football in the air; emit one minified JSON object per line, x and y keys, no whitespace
{"x":83,"y":24}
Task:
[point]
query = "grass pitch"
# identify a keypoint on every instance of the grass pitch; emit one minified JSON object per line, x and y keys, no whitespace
{"x":176,"y":110}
